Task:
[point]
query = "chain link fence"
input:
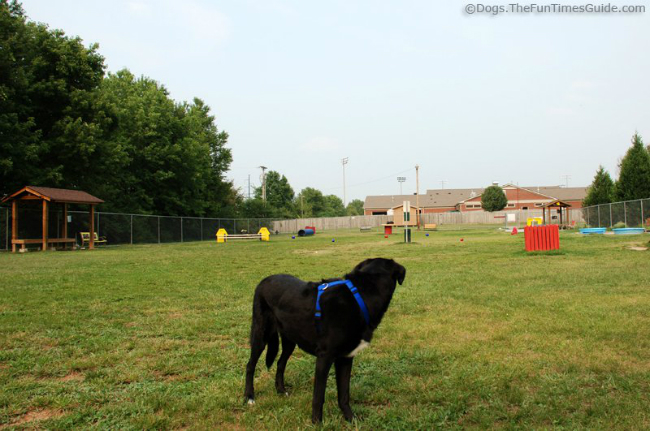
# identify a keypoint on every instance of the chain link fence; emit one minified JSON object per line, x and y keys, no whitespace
{"x":123,"y":228}
{"x":622,"y":214}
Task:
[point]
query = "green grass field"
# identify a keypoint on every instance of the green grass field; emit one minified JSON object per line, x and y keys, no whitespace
{"x":481,"y":335}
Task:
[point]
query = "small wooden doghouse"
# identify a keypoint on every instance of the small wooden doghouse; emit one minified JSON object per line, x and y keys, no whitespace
{"x":560,"y":206}
{"x":50,"y":196}
{"x":398,"y":216}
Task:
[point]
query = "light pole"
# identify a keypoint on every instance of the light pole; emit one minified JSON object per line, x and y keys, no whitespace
{"x":263,"y":168}
{"x":400,"y":180}
{"x":344,"y":162}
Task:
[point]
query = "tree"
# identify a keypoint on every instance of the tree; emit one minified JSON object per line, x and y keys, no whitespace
{"x":355,"y":207}
{"x":310,"y":202}
{"x":333,"y":207}
{"x":493,"y":199}
{"x":634,"y":178}
{"x":49,"y":124}
{"x":601,"y":190}
{"x":279,"y":195}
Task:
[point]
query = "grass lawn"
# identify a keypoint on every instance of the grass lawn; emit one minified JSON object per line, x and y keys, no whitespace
{"x":480,"y":335}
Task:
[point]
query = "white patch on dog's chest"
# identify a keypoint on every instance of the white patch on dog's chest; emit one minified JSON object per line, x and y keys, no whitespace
{"x":362,"y":345}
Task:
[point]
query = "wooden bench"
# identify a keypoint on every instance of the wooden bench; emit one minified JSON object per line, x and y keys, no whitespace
{"x":85,"y":239}
{"x":430,"y":226}
{"x":23,"y":242}
{"x":365,"y":228}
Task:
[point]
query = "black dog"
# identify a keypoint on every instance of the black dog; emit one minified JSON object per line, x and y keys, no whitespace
{"x":286,"y":305}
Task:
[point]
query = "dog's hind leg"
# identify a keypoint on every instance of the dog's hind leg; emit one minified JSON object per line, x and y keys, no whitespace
{"x":287,"y":349}
{"x":343,"y":372}
{"x":258,"y":343}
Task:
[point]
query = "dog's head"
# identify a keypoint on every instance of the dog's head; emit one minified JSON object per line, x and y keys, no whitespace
{"x":381,"y":266}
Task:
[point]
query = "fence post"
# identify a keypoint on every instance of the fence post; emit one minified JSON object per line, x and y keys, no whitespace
{"x":642,"y":220}
{"x":201,"y":228}
{"x":625,"y":214}
{"x":131,"y":229}
{"x":599,"y":224}
{"x":588,"y":211}
{"x":158,"y":229}
{"x":7,"y":228}
{"x":97,"y":223}
{"x":611,"y":221}
{"x":181,"y":229}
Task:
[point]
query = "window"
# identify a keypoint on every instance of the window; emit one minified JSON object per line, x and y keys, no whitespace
{"x":510,"y":205}
{"x":538,"y":204}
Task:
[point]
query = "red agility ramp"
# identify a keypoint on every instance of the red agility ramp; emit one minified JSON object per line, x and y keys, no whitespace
{"x":540,"y":238}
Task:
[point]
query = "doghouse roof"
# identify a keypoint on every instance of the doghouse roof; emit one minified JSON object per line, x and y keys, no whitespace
{"x":54,"y":195}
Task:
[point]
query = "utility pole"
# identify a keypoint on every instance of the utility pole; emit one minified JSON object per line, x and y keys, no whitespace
{"x":249,"y":186}
{"x":442,"y":183}
{"x":400,"y":180}
{"x":344,"y":162}
{"x":263,"y":168}
{"x":417,"y":195}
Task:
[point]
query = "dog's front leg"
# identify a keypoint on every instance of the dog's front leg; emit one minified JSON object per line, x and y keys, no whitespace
{"x":343,"y":373}
{"x":323,"y":365}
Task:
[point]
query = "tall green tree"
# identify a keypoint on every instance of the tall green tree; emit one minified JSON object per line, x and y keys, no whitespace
{"x":49,"y":124}
{"x":310,"y":202}
{"x":333,"y":207}
{"x":634,"y":177}
{"x":279,"y":195}
{"x":354,"y":208}
{"x":493,"y":199}
{"x":601,"y":190}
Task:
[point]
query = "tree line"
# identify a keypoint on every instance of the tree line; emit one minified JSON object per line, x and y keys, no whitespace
{"x":633,"y":179}
{"x":66,"y":123}
{"x":282,"y":202}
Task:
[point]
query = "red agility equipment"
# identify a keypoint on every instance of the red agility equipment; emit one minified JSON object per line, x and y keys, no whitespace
{"x":542,"y":237}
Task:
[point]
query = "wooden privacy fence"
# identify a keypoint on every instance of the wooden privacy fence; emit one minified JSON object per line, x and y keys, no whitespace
{"x":441,"y":219}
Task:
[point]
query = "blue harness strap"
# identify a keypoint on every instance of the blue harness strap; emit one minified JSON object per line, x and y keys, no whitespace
{"x":323,"y":287}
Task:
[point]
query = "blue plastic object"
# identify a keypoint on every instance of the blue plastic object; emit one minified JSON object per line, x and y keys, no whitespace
{"x":594,"y":230}
{"x":305,"y":232}
{"x":628,"y":231}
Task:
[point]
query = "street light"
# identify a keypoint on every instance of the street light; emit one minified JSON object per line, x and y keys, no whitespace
{"x":344,"y":162}
{"x":400,"y":180}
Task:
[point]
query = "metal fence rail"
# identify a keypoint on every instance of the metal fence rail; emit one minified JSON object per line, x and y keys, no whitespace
{"x":634,"y":213}
{"x":125,"y":228}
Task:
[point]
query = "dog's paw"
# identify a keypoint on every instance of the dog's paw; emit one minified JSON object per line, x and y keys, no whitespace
{"x":250,"y":402}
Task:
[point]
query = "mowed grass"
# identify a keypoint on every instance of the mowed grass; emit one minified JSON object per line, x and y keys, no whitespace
{"x":481,"y":335}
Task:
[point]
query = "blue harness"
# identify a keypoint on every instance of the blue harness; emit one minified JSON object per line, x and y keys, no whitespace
{"x":323,"y":287}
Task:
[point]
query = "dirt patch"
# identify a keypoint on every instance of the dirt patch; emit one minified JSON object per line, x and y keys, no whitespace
{"x":73,"y":377}
{"x":34,"y":416}
{"x":638,"y":248}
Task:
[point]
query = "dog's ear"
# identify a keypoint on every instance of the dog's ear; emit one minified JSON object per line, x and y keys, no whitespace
{"x":399,"y":272}
{"x":360,"y":266}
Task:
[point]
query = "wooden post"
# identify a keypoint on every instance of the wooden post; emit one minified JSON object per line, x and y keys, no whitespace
{"x":44,"y":225}
{"x":65,"y":225}
{"x":14,"y":224}
{"x":91,"y":243}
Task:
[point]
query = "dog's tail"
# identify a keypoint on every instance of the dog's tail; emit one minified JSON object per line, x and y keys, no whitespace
{"x":272,"y":348}
{"x":264,"y":328}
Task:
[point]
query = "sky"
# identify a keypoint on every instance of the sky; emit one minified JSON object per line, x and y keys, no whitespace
{"x":300,"y":85}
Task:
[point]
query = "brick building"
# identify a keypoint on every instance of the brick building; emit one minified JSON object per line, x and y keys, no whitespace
{"x":445,"y":200}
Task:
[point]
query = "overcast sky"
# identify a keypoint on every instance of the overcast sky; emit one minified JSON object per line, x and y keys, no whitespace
{"x":299,"y":85}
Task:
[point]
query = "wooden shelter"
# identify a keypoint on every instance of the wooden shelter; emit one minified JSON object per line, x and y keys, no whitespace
{"x":50,"y":196}
{"x":559,"y":205}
